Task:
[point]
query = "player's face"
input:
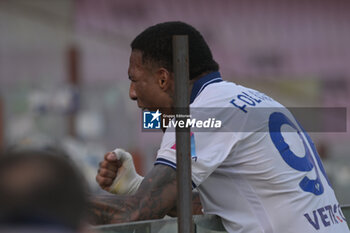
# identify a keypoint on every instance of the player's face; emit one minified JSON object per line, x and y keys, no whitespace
{"x":146,"y":86}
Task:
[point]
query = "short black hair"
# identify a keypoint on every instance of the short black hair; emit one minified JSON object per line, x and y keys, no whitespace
{"x":50,"y":190}
{"x":155,"y":43}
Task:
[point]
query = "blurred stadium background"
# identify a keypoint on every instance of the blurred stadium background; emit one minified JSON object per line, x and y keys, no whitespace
{"x":63,"y":69}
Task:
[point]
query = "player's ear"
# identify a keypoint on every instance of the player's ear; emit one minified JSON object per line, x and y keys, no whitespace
{"x":165,"y":80}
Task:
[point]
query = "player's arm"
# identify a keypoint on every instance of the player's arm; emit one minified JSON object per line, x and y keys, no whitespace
{"x":155,"y":197}
{"x":196,"y":206}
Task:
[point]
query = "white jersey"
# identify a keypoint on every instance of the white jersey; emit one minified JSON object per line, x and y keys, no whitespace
{"x":263,"y":173}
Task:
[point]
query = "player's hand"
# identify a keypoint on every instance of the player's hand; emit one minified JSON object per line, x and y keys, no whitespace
{"x":117,"y":173}
{"x":108,"y":170}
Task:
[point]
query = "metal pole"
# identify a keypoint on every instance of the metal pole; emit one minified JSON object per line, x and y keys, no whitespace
{"x":2,"y":124}
{"x":74,"y":80}
{"x":183,"y":147}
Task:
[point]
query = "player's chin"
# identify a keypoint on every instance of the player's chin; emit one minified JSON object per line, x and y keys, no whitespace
{"x":146,"y":108}
{"x":150,"y":109}
{"x":141,"y":107}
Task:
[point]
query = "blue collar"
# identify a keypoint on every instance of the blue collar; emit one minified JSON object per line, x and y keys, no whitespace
{"x":201,"y":83}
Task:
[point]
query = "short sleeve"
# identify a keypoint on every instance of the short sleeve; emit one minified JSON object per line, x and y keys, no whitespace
{"x":167,"y":152}
{"x":208,"y":151}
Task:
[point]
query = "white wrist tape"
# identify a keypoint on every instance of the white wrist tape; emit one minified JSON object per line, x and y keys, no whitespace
{"x":127,"y":180}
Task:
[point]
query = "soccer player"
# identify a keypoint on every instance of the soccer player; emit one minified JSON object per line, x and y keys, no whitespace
{"x":261,"y":174}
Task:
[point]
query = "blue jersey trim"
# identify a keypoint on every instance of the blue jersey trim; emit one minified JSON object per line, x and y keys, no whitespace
{"x":172,"y":165}
{"x":194,"y":185}
{"x":165,"y":162}
{"x":201,"y":83}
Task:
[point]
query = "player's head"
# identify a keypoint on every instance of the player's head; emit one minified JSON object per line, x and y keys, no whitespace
{"x":41,"y":189}
{"x":151,"y":68}
{"x":155,"y":43}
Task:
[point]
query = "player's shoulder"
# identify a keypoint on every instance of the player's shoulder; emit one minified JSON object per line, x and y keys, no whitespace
{"x":221,"y":94}
{"x":215,"y":94}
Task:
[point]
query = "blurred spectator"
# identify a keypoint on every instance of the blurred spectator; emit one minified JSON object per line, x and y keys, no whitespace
{"x":41,"y":191}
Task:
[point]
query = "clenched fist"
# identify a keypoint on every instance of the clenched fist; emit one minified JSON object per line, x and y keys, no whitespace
{"x":117,"y":173}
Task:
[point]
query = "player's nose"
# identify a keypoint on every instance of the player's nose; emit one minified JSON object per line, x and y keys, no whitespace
{"x":132,"y":92}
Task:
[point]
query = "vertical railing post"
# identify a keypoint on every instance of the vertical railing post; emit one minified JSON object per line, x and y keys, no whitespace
{"x":74,"y":80}
{"x":183,"y":146}
{"x":2,"y":124}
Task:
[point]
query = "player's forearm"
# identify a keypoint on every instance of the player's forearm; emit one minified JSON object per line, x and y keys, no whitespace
{"x":112,"y":209}
{"x":154,"y":199}
{"x":196,"y":206}
{"x":119,"y":209}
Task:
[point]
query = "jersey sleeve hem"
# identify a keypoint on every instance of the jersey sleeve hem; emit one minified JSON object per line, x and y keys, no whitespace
{"x":172,"y":165}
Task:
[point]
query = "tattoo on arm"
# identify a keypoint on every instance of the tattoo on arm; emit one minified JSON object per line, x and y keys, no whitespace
{"x":109,"y":209}
{"x":155,"y":197}
{"x":196,"y":206}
